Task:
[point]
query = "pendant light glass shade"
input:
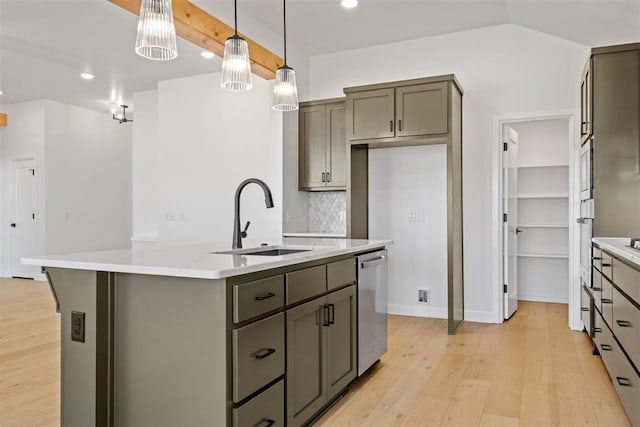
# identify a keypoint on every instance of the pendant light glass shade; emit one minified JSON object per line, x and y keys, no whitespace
{"x":156,"y":32}
{"x":285,"y":91}
{"x":236,"y":68}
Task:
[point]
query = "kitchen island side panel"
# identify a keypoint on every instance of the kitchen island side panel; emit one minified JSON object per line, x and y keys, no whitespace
{"x":170,"y":351}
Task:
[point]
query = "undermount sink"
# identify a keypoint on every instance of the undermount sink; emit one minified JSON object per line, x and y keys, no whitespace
{"x":266,"y":251}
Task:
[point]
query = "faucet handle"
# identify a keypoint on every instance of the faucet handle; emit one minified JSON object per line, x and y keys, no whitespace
{"x":244,"y":232}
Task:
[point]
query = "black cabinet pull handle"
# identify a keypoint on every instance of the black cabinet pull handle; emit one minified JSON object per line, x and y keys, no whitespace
{"x":323,"y":177}
{"x":623,"y":323}
{"x":596,"y":258}
{"x":584,"y":308}
{"x":266,"y":422}
{"x":265,"y":352}
{"x":625,"y":382}
{"x":13,"y":225}
{"x":328,"y":176}
{"x":400,"y":125}
{"x":265,"y":296}
{"x":597,"y":330}
{"x":390,"y":125}
{"x":597,"y":289}
{"x":326,"y":314}
{"x":606,"y":347}
{"x":606,"y":264}
{"x":607,"y":301}
{"x":332,"y":314}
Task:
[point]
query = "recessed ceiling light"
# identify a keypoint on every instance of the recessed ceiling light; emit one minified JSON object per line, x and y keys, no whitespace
{"x":87,"y":76}
{"x":349,"y":4}
{"x":0,"y":92}
{"x":207,"y":55}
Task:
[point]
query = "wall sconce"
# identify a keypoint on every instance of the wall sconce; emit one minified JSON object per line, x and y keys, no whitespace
{"x":121,"y":117}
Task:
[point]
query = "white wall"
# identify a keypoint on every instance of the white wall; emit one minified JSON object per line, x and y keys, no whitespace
{"x":502,"y":69}
{"x":145,"y":217}
{"x":208,"y":141}
{"x":408,"y":203}
{"x":83,"y":177}
{"x":88,"y":180}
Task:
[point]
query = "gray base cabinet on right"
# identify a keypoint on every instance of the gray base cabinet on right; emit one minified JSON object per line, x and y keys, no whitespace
{"x":616,"y":329}
{"x":321,"y":352}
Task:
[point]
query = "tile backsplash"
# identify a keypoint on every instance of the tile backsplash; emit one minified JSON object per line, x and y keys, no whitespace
{"x":328,"y":212}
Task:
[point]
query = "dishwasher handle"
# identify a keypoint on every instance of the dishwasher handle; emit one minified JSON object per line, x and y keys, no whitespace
{"x":373,"y":262}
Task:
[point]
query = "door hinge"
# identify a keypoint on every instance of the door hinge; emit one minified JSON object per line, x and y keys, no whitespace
{"x":505,"y":146}
{"x":504,"y":217}
{"x":504,"y":288}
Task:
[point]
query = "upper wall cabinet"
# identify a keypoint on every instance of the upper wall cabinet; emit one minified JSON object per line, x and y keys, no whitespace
{"x":322,"y":146}
{"x":586,"y":104}
{"x":404,"y":110}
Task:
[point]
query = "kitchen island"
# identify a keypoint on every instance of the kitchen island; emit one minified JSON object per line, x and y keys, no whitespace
{"x":191,"y":336}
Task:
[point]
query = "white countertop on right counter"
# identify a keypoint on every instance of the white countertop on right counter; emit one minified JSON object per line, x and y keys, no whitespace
{"x":619,"y":246}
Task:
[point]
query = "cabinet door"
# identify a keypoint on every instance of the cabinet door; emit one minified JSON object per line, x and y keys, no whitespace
{"x":336,"y":145}
{"x":312,"y":146}
{"x":370,"y":114}
{"x":422,"y":109}
{"x":306,"y":342}
{"x":585,"y":104}
{"x":342,"y":340}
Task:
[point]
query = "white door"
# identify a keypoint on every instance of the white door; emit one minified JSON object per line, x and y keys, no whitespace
{"x":510,"y":210}
{"x":22,"y":232}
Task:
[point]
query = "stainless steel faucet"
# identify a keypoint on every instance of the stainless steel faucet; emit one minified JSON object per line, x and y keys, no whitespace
{"x":268,"y":200}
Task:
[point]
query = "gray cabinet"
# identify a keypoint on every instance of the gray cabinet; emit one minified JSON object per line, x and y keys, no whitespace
{"x":321,"y":352}
{"x":616,"y":332}
{"x":322,"y":146}
{"x":586,"y":88}
{"x":405,"y":111}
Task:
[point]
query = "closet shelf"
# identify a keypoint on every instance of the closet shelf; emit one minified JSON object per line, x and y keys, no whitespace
{"x":544,"y":196}
{"x":543,"y":255}
{"x":543,"y":225}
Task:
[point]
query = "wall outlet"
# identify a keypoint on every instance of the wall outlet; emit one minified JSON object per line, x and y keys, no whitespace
{"x":77,"y":326}
{"x":424,"y":296}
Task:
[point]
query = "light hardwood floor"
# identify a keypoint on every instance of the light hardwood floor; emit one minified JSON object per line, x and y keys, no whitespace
{"x":531,"y":370}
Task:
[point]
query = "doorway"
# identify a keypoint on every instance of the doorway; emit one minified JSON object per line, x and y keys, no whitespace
{"x":22,"y":225}
{"x":536,"y":209}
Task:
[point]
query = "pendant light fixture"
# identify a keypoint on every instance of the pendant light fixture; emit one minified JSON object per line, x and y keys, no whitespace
{"x":285,"y":91}
{"x":156,"y":31}
{"x":236,"y":68}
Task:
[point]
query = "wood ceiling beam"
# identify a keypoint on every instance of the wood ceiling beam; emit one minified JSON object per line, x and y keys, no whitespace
{"x":205,"y":30}
{"x":3,"y":119}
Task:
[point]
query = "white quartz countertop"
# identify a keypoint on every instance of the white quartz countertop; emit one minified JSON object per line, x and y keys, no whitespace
{"x":316,"y":235}
{"x":619,"y":246}
{"x":200,"y":261}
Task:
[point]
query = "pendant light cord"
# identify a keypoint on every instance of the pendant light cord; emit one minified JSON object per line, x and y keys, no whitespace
{"x":284,"y":15}
{"x":235,"y":16}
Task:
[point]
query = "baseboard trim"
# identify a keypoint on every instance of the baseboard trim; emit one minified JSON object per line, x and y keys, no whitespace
{"x":417,"y":311}
{"x":440,"y":313}
{"x":532,"y":298}
{"x":4,"y":274}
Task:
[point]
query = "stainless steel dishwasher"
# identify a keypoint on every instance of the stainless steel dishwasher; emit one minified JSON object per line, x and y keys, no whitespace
{"x":372,"y":308}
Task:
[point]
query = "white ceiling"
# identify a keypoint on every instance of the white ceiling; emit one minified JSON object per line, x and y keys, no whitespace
{"x":46,"y":44}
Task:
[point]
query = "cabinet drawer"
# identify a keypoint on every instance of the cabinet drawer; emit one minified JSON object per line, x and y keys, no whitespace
{"x":255,"y":298}
{"x":627,"y":279}
{"x":586,"y":310}
{"x":597,"y":258}
{"x":606,"y":266}
{"x":305,"y":284}
{"x":606,"y":302}
{"x":266,"y":409}
{"x":341,"y":273}
{"x":258,"y":355}
{"x":601,"y":334}
{"x":597,"y":289}
{"x":627,"y":384}
{"x":626,"y":326}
